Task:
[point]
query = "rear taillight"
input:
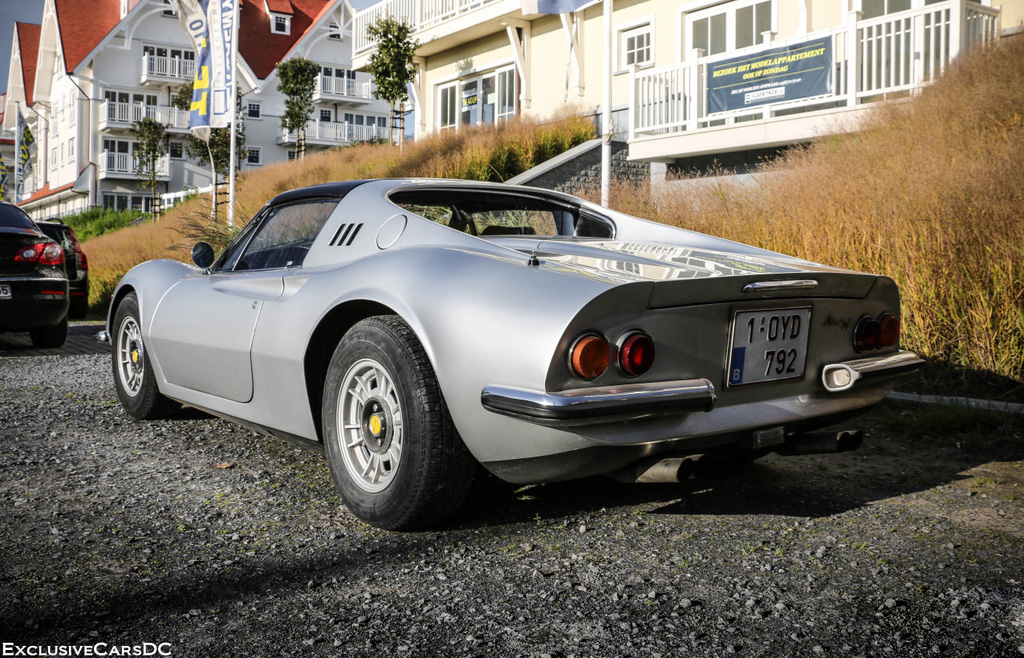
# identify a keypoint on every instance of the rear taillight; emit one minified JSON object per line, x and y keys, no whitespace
{"x":871,"y":334}
{"x":590,"y":356}
{"x":47,"y":253}
{"x":636,"y":354}
{"x":83,"y":262}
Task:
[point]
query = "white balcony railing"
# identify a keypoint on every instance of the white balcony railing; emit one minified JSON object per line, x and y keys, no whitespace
{"x":333,"y":86}
{"x":890,"y":54}
{"x":420,"y":14}
{"x":167,"y":68}
{"x":125,"y":165}
{"x":124,"y":114}
{"x":335,"y":133}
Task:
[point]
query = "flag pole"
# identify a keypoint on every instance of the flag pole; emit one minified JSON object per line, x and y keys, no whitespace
{"x":17,"y":151}
{"x":606,"y":110}
{"x":234,"y":115}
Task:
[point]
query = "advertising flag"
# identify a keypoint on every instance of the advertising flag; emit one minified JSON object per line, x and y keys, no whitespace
{"x":3,"y":178}
{"x":210,"y":26}
{"x":23,"y":158}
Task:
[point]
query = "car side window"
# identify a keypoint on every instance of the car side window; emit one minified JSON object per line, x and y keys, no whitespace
{"x":285,"y":235}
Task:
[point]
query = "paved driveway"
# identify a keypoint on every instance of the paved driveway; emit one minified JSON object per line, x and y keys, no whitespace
{"x":81,"y":340}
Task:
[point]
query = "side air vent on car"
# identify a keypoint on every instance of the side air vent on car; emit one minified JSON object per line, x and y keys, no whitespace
{"x":345,"y":235}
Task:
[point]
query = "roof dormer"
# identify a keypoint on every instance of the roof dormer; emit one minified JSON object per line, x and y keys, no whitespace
{"x":280,"y":12}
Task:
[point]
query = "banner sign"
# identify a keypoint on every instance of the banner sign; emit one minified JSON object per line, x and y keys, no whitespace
{"x":802,"y":70}
{"x":211,"y":27}
{"x":23,"y":158}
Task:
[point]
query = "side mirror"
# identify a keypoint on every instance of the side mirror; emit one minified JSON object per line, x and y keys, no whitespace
{"x":202,"y":255}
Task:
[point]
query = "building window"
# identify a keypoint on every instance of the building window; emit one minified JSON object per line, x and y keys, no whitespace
{"x":253,"y":157}
{"x":334,"y":31}
{"x":253,"y":111}
{"x":280,"y":24}
{"x":721,"y":30}
{"x":53,"y":158}
{"x":876,"y":8}
{"x":636,"y":47}
{"x":71,"y":149}
{"x":325,"y":116}
{"x":293,"y":155}
{"x":177,"y":150}
{"x":446,"y":115}
{"x":170,"y":10}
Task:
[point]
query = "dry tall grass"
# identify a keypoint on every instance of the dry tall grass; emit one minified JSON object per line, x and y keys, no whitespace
{"x":489,"y":153}
{"x":931,"y":193}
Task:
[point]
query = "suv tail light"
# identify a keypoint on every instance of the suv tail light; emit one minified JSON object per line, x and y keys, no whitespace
{"x":44,"y":253}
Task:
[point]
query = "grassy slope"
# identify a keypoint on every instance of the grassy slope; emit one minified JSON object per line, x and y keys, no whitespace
{"x":930,"y":193}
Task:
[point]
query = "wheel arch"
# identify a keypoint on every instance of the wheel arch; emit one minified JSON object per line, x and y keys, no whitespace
{"x":322,"y":343}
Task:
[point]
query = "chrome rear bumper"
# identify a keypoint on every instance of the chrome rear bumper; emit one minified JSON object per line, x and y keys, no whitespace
{"x":600,"y":404}
{"x":603,"y":404}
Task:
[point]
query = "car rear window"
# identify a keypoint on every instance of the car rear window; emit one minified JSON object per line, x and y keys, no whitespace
{"x":15,"y":218}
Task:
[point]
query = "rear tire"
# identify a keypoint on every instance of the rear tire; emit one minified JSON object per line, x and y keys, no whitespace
{"x":133,"y":374}
{"x":393,"y":450}
{"x":49,"y":337}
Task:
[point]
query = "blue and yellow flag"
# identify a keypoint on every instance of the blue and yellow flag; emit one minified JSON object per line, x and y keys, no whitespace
{"x":211,"y":27}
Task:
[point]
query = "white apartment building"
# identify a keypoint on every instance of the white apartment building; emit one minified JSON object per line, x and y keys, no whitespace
{"x":686,"y":79}
{"x":91,"y":69}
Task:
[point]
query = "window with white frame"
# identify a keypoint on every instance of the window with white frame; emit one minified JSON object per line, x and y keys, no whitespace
{"x":280,"y":24}
{"x":53,"y":158}
{"x":724,"y":28}
{"x":253,"y":111}
{"x":334,"y":31}
{"x":71,"y":149}
{"x":170,"y":11}
{"x":876,"y":8}
{"x":254,"y":157}
{"x":483,"y":98}
{"x":325,"y":116}
{"x":635,"y":47}
{"x":177,"y":150}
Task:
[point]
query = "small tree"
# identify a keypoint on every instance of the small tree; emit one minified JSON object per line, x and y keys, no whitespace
{"x":297,"y":81}
{"x":391,"y":65}
{"x":150,"y":146}
{"x":219,"y":146}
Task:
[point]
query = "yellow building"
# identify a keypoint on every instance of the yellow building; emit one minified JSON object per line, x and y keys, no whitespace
{"x":690,"y":79}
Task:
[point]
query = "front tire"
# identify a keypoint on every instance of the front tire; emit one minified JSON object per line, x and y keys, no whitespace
{"x":133,"y":374}
{"x":393,"y":450}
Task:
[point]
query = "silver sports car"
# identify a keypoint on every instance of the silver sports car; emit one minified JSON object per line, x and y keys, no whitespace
{"x":413,"y":330}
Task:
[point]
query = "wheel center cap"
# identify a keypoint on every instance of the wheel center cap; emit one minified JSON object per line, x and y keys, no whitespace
{"x":376,"y":433}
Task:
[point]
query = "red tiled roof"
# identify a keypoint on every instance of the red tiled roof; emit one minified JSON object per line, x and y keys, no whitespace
{"x":28,"y":39}
{"x":261,"y":49}
{"x":280,"y":6}
{"x":44,"y":192}
{"x":83,"y":25}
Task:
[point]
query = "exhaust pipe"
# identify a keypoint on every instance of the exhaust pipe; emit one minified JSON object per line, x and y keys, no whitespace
{"x":822,"y":443}
{"x":654,"y":470}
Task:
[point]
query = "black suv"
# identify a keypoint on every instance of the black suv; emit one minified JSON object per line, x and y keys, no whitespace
{"x":33,"y":281}
{"x":75,"y":262}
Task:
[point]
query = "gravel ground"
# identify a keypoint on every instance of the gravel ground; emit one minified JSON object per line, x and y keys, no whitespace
{"x":197,"y":533}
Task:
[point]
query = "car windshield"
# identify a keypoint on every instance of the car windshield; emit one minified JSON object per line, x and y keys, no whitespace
{"x":15,"y":218}
{"x":497,"y":214}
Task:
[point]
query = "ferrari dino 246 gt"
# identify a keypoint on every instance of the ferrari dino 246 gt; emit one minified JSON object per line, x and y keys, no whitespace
{"x":415,"y":329}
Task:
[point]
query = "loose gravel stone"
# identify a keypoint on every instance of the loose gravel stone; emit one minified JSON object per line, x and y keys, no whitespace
{"x":121,"y":532}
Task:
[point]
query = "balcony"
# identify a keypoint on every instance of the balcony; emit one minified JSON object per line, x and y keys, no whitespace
{"x":121,"y":116}
{"x":328,"y":133}
{"x":125,"y":165}
{"x":342,"y":90}
{"x":435,"y":22}
{"x":164,"y":70}
{"x":881,"y":58}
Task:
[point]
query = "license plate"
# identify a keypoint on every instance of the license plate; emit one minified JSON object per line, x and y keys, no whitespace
{"x":768,"y":345}
{"x":5,"y":291}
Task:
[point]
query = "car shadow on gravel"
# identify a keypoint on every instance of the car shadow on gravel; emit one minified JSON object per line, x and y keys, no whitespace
{"x":890,"y":464}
